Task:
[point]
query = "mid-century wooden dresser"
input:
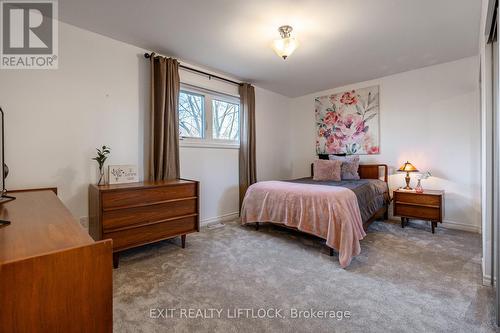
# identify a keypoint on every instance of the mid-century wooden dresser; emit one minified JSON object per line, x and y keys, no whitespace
{"x":141,"y":213}
{"x":53,"y":276}
{"x":423,"y":206}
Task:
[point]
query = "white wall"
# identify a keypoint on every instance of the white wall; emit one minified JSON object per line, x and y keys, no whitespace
{"x":99,"y":95}
{"x":273,"y":123}
{"x":56,"y":118}
{"x":428,"y":116}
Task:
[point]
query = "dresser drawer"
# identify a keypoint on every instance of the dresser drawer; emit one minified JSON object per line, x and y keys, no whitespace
{"x":119,"y":218}
{"x":150,"y":233}
{"x":419,"y":212}
{"x":424,"y":199}
{"x":116,"y":199}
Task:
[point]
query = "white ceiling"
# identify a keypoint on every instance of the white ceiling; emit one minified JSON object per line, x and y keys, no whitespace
{"x":342,"y":41}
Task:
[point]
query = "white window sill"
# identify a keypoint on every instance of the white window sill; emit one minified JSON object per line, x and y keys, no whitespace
{"x":208,"y":144}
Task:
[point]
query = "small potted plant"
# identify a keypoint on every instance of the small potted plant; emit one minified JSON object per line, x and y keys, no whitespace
{"x":424,"y":175}
{"x":102,"y":156}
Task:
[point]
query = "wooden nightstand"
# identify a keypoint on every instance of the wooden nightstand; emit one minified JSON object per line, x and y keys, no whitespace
{"x":422,"y":206}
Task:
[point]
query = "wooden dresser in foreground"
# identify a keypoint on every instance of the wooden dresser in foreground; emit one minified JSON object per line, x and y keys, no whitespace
{"x":141,"y":213}
{"x":53,"y":276}
{"x":422,"y":206}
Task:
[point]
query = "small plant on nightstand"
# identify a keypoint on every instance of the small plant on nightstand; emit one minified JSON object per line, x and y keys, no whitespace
{"x":425,"y":175}
{"x":102,"y":156}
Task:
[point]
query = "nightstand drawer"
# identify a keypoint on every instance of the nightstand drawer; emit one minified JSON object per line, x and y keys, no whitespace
{"x":416,"y":211}
{"x":424,"y":199}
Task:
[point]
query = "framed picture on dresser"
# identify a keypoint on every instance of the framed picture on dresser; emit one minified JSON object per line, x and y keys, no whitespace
{"x":123,"y":174}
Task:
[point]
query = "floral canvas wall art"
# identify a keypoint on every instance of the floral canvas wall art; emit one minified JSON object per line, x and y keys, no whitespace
{"x":348,"y":122}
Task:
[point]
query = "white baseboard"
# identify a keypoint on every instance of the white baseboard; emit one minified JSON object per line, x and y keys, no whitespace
{"x":448,"y":224}
{"x":461,"y":226}
{"x":219,"y":219}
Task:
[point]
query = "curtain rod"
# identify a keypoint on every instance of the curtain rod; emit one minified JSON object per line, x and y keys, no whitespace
{"x":210,"y":76}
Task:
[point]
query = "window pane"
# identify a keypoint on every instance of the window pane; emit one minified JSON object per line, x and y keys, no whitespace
{"x":226,"y":118}
{"x":191,"y":115}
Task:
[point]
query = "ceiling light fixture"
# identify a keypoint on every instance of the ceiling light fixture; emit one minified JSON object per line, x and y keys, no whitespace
{"x":286,"y":45}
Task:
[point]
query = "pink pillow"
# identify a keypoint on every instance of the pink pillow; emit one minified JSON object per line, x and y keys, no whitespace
{"x":350,"y":166}
{"x":327,"y":170}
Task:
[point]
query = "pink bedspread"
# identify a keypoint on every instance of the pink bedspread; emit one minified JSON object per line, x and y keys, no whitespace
{"x":329,"y":212}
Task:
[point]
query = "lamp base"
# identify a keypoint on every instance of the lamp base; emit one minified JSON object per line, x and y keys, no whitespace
{"x":407,"y":179}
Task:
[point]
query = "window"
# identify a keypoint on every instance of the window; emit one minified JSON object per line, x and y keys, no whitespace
{"x":226,"y":124}
{"x":191,"y":115}
{"x":208,"y":119}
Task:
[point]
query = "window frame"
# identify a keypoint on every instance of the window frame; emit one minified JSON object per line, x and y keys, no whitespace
{"x":208,"y":141}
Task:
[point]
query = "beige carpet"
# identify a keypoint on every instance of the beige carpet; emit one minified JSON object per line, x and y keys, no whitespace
{"x":405,"y":280}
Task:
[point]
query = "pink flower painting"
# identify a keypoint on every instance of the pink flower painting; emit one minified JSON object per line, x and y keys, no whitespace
{"x":348,"y":122}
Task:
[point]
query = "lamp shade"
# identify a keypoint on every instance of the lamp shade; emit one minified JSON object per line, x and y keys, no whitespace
{"x":408,"y":167}
{"x":285,"y":46}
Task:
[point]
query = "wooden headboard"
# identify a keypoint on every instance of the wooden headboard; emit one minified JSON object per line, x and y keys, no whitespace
{"x":366,"y":171}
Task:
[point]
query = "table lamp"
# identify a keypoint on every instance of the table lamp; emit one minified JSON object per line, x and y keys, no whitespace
{"x":408,"y":167}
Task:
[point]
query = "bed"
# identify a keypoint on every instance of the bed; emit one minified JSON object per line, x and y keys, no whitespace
{"x":339,"y":212}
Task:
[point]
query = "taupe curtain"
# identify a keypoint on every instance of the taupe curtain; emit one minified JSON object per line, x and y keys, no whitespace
{"x":164,"y":131}
{"x":248,"y":174}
